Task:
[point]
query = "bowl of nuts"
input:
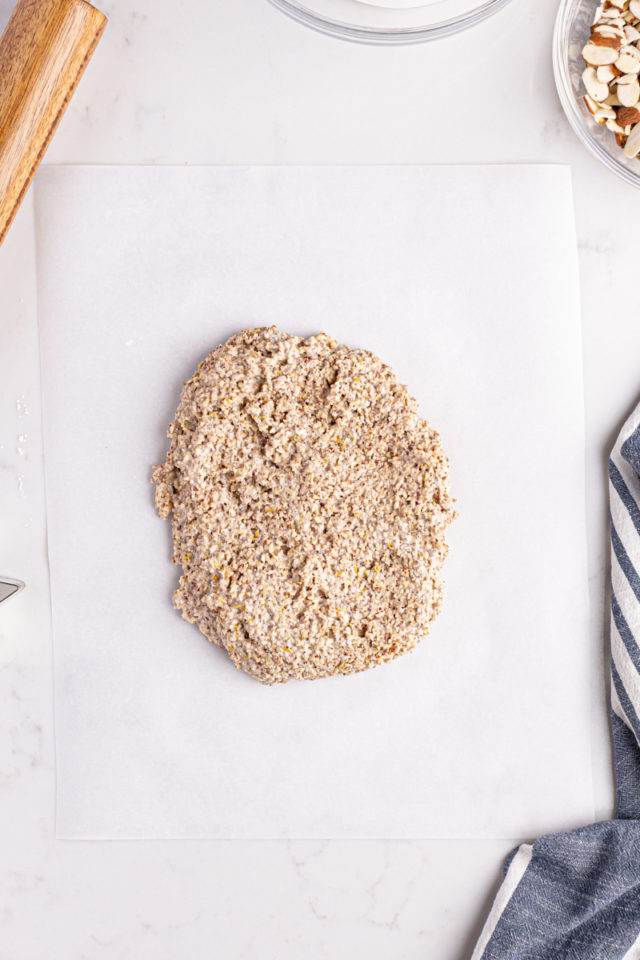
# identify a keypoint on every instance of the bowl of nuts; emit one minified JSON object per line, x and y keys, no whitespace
{"x":596,"y":60}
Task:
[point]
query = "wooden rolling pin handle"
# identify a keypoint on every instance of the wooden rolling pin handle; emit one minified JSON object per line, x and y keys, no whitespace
{"x":43,"y":53}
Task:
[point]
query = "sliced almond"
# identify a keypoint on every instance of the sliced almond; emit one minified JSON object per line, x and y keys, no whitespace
{"x":603,"y":40}
{"x":631,"y":33}
{"x":632,"y":146}
{"x":592,"y":106}
{"x":628,"y":64}
{"x":634,"y":8}
{"x":599,"y":56}
{"x":609,"y":30}
{"x":597,"y":91}
{"x":613,"y":126}
{"x":624,"y":79}
{"x":620,"y":4}
{"x":629,"y":93}
{"x":605,"y":74}
{"x":607,"y":113}
{"x":630,"y":50}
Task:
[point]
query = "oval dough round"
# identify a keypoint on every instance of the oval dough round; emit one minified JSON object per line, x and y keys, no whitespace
{"x":309,"y":505}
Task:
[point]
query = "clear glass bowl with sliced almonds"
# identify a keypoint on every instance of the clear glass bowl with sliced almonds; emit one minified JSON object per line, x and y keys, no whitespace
{"x":596,"y":58}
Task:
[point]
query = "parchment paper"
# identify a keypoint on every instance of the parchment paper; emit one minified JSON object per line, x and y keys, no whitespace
{"x":464,"y":280}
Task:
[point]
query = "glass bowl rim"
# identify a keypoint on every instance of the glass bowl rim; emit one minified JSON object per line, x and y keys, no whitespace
{"x":570,"y":104}
{"x":385,"y":35}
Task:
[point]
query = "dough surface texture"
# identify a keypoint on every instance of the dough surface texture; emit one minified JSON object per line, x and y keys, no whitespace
{"x":309,"y":504}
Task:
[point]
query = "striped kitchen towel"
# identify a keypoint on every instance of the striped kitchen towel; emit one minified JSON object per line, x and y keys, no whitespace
{"x":576,"y":895}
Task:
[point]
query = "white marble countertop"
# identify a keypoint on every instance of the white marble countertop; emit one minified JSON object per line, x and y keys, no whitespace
{"x":239,"y":83}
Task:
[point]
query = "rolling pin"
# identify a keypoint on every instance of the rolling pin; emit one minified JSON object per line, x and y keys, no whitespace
{"x":43,"y":53}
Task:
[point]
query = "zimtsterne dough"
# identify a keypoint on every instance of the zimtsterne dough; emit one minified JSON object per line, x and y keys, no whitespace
{"x":309,"y":506}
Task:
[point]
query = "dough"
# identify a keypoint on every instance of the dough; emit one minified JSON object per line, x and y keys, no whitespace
{"x":309,"y":505}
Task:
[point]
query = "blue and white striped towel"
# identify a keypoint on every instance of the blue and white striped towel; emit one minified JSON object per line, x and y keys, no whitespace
{"x":576,"y":895}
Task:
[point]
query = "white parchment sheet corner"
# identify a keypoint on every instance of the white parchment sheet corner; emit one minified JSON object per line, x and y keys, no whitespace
{"x":464,"y":279}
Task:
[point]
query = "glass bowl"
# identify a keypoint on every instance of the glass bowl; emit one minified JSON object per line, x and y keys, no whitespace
{"x":573,"y":25}
{"x":372,"y":22}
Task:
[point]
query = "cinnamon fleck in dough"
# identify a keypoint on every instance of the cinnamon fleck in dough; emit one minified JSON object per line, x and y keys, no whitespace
{"x":309,"y":507}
